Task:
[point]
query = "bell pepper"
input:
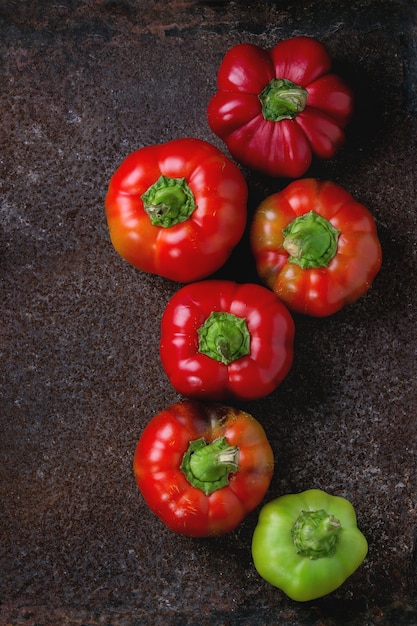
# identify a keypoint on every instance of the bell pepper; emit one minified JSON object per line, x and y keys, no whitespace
{"x":222,"y":340}
{"x":275,"y":108}
{"x":315,"y":246}
{"x":177,"y":209}
{"x":308,"y":544}
{"x":202,"y":468}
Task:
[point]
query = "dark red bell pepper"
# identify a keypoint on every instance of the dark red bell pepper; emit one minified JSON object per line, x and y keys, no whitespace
{"x":275,"y":108}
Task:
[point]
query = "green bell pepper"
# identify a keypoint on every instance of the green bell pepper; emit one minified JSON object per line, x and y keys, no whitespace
{"x":307,"y":544}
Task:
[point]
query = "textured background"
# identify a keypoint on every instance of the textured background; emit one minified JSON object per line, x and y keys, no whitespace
{"x":82,"y":84}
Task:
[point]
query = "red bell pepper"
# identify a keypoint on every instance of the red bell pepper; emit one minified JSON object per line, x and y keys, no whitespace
{"x":202,"y":468}
{"x":177,"y":209}
{"x":315,"y":246}
{"x":275,"y":108}
{"x":221,"y":340}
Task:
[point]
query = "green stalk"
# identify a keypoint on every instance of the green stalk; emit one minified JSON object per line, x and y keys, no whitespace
{"x":282,"y":99}
{"x":316,"y":534}
{"x":169,"y":201}
{"x":224,"y":337}
{"x":207,"y":466}
{"x":310,"y":240}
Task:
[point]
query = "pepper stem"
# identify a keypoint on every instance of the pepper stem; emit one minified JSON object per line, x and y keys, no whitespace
{"x":282,"y":99}
{"x":310,"y":240}
{"x":315,"y":534}
{"x":169,"y":201}
{"x":207,"y":466}
{"x":224,"y":337}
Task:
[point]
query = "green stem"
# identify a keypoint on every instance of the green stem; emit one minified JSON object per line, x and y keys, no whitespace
{"x":207,"y":466}
{"x":315,"y":534}
{"x":224,"y":337}
{"x":310,"y":240}
{"x":282,"y":99}
{"x":169,"y":201}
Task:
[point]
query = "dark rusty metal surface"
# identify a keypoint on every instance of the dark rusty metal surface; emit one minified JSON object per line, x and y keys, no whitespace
{"x":83,"y":83}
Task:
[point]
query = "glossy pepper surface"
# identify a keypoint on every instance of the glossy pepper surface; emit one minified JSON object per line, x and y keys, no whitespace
{"x":201,"y":468}
{"x":275,"y":108}
{"x":223,"y":340}
{"x":308,"y":544}
{"x":315,"y":246}
{"x":177,"y":209}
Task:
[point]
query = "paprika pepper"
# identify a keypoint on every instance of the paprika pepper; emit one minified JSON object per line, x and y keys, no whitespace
{"x":202,"y":468}
{"x":222,"y":340}
{"x":315,"y":246}
{"x":308,"y":544}
{"x":275,"y":108}
{"x":177,"y":209}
